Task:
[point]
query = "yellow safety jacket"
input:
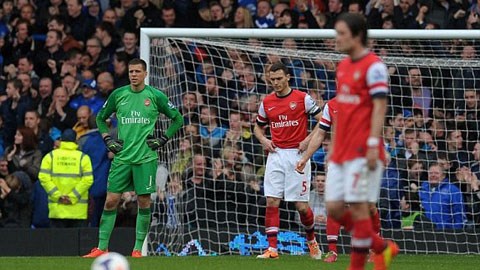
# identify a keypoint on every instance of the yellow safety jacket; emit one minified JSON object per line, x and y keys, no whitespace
{"x":67,"y":171}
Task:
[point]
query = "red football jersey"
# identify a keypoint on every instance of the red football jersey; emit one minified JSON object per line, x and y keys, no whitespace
{"x":329,"y":114}
{"x":357,"y":83}
{"x":287,"y":116}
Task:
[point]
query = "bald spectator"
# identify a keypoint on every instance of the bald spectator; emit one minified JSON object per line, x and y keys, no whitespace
{"x":32,"y":121}
{"x":48,"y":59}
{"x":59,"y":113}
{"x":45,"y":96}
{"x":145,"y":14}
{"x":130,"y":47}
{"x":264,"y":17}
{"x":100,"y":58}
{"x":105,"y":84}
{"x":82,"y":25}
{"x":81,"y":127}
{"x":88,"y":97}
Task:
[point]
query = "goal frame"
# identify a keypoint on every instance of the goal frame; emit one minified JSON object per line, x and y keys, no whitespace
{"x":146,"y":35}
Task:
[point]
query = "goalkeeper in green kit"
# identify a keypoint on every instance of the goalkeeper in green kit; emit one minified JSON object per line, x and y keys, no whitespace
{"x":137,"y":107}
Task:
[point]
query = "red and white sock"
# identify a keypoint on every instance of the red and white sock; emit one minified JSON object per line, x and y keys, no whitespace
{"x":361,"y":243}
{"x":308,"y":222}
{"x":272,"y":222}
{"x":333,"y":230}
{"x":376,"y":222}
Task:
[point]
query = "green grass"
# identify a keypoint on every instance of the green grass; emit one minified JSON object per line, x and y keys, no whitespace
{"x":403,"y":262}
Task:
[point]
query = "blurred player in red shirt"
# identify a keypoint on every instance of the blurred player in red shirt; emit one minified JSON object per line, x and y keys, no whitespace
{"x":286,"y":111}
{"x":356,"y":166}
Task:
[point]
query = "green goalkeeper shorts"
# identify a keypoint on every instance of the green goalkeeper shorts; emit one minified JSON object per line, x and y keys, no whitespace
{"x":137,"y":177}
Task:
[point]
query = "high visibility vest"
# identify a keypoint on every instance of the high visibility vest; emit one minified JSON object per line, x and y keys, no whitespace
{"x":66,"y":171}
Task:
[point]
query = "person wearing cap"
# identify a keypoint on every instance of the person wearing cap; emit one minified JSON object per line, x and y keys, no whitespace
{"x":66,"y":175}
{"x":88,"y":97}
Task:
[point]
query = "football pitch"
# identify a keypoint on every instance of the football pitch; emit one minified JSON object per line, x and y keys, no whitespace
{"x":286,"y":262}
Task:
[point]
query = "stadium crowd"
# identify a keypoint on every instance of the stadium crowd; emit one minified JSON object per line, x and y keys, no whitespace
{"x":60,"y":60}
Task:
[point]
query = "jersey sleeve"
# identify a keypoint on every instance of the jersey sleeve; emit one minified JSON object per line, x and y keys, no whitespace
{"x":326,"y":121}
{"x":167,"y":108}
{"x":262,"y":119}
{"x":377,"y":80}
{"x":311,"y":106}
{"x":109,"y":107}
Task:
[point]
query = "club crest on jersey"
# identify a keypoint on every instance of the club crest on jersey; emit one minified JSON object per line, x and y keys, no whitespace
{"x":293,"y":105}
{"x":356,"y":75}
{"x":147,"y":102}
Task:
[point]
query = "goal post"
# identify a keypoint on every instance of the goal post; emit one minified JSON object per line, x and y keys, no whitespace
{"x":433,"y":75}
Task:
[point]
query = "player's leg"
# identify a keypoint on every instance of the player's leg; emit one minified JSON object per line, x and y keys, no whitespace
{"x":384,"y":251}
{"x":334,"y":205}
{"x":274,"y":190}
{"x":119,"y":181}
{"x":333,"y":230}
{"x":144,"y":182}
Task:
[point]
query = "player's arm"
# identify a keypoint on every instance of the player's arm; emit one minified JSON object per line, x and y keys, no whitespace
{"x":259,"y":130}
{"x":109,"y":107}
{"x":312,"y":109}
{"x":377,"y":81}
{"x":168,"y":109}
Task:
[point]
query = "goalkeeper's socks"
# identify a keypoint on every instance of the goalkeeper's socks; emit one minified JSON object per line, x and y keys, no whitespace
{"x":272,"y":222}
{"x":376,"y":222}
{"x":361,"y":243}
{"x":333,"y":229}
{"x":107,"y":222}
{"x":308,"y":223}
{"x":142,"y":227}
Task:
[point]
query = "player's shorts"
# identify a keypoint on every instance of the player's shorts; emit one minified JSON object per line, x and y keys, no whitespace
{"x":282,"y":180}
{"x":137,"y":177}
{"x":352,"y":181}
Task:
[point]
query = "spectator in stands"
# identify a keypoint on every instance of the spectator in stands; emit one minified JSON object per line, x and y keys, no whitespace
{"x":108,"y":37}
{"x":110,"y":16}
{"x":169,"y":17}
{"x":83,"y":114}
{"x":71,"y":85}
{"x":456,"y":149}
{"x":48,"y":60}
{"x":264,"y":17}
{"x":249,"y":83}
{"x":22,"y":43}
{"x":47,"y":11}
{"x":24,"y":155}
{"x":15,"y":207}
{"x":277,"y":12}
{"x":120,"y":71}
{"x":59,"y":113}
{"x":219,"y":97}
{"x":57,"y":22}
{"x":27,"y":88}
{"x":335,"y":8}
{"x":475,"y":167}
{"x":183,"y":158}
{"x":100,"y":59}
{"x":218,"y":15}
{"x":26,"y":66}
{"x":317,"y":200}
{"x":91,"y":143}
{"x":355,"y":7}
{"x":288,"y":19}
{"x":442,"y":201}
{"x":94,"y":10}
{"x":421,"y":95}
{"x":105,"y":84}
{"x":242,"y":138}
{"x":67,"y":183}
{"x":88,"y":97}
{"x":211,"y":132}
{"x":242,"y":19}
{"x":472,"y":20}
{"x":14,"y":108}
{"x":404,"y":16}
{"x":32,"y":121}
{"x":130,"y":47}
{"x":469,"y":185}
{"x":82,"y":25}
{"x":467,"y":115}
{"x":45,"y":96}
{"x":189,"y":108}
{"x":145,"y":14}
{"x":390,"y":195}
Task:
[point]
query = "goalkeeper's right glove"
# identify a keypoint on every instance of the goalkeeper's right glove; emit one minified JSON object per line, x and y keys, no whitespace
{"x":114,"y":146}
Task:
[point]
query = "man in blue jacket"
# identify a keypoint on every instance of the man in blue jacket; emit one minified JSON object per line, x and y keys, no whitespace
{"x":442,"y":201}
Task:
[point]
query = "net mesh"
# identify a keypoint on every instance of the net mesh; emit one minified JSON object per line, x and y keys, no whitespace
{"x":210,"y":198}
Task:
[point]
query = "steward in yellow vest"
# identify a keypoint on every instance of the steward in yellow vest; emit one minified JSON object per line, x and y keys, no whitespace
{"x":66,"y":175}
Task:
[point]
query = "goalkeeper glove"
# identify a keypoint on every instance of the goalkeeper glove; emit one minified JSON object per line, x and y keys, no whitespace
{"x":114,"y":146}
{"x":155,"y":143}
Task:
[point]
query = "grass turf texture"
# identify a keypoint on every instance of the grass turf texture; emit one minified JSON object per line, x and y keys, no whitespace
{"x":286,"y":262}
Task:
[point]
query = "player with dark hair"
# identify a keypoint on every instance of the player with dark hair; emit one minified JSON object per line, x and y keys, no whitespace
{"x":356,"y":167}
{"x":286,"y":111}
{"x":137,"y":107}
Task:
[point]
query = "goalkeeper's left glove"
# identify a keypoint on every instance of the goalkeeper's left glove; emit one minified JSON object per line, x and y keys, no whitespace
{"x":155,"y":143}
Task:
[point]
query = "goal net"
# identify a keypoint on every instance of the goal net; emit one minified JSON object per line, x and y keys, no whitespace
{"x":210,"y":182}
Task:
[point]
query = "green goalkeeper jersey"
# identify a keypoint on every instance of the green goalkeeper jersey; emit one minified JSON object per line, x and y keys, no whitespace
{"x":137,"y":113}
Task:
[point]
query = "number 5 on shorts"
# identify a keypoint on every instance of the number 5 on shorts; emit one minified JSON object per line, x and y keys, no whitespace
{"x":304,"y":186}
